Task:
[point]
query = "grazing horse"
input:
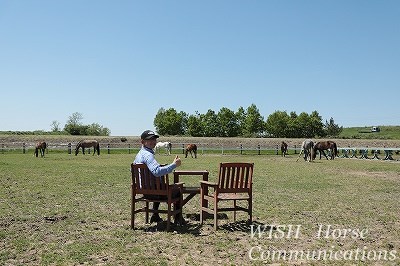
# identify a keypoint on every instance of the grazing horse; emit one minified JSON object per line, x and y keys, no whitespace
{"x":190,"y":148}
{"x":87,"y":144}
{"x":166,"y":145}
{"x":284,"y":148}
{"x":40,"y":146}
{"x":307,"y":147}
{"x":325,"y":145}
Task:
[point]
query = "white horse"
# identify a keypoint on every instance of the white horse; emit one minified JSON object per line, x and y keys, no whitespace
{"x":307,"y":147}
{"x":166,"y":145}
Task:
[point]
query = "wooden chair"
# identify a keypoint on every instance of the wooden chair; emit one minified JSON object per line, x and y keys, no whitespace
{"x":234,"y":184}
{"x":145,"y":183}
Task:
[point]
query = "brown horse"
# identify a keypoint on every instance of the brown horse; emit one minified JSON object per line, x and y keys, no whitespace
{"x":40,"y":146}
{"x":325,"y":145}
{"x":190,"y":148}
{"x":284,"y":148}
{"x":87,"y":144}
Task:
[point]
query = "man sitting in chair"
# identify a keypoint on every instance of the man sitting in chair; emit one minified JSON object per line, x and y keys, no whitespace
{"x":146,"y":156}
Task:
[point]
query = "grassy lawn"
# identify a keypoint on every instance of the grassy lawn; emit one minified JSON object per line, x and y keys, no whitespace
{"x":386,"y":132}
{"x":68,"y":210}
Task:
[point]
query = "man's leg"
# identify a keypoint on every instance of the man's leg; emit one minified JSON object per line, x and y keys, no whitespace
{"x":155,"y":218}
{"x":179,"y":217}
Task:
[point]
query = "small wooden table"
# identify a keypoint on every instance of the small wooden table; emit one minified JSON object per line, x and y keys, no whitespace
{"x":191,"y":191}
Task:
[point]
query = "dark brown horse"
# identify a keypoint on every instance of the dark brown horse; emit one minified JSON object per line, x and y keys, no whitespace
{"x":40,"y":146}
{"x":191,"y":148}
{"x":87,"y":144}
{"x":284,"y":148}
{"x":322,"y":146}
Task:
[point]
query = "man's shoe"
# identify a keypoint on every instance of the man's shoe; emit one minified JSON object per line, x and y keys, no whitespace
{"x":179,"y":220}
{"x":155,"y":218}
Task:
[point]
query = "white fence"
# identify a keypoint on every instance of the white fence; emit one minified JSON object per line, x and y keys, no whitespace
{"x":384,"y":153}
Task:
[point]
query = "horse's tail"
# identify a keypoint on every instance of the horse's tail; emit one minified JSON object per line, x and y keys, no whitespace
{"x":195,"y":150}
{"x":312,"y":151}
{"x":169,"y":148}
{"x":98,"y":148}
{"x":335,"y":149}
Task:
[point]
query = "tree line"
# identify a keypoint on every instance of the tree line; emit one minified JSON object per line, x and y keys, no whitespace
{"x":244,"y":123}
{"x":74,"y":126}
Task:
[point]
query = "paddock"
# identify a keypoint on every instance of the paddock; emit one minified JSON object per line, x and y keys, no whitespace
{"x":77,"y":194}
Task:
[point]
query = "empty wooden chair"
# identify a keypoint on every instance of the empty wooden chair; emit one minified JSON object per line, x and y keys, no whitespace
{"x":234,"y":184}
{"x":146,"y":187}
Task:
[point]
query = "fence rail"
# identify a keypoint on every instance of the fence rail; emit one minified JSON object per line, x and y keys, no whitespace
{"x":384,"y":153}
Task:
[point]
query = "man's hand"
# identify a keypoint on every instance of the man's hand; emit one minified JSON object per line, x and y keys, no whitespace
{"x":177,"y":161}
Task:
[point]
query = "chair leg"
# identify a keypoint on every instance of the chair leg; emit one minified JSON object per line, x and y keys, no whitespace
{"x":201,"y":205}
{"x":234,"y":212}
{"x":250,"y":210}
{"x":133,"y":213}
{"x":147,"y":212}
{"x":169,"y":216}
{"x":215,"y":212}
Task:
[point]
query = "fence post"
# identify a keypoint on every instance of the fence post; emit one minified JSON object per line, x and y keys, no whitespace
{"x":183,"y":148}
{"x":295,"y":150}
{"x":259,"y":149}
{"x":241,"y":148}
{"x":277,"y":149}
{"x":23,"y":148}
{"x":129,"y":148}
{"x":69,"y":148}
{"x":108,"y":148}
{"x":2,"y":148}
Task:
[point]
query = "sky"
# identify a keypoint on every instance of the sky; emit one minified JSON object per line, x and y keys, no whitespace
{"x":118,"y":62}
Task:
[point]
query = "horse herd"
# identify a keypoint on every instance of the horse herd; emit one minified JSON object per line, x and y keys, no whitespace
{"x":308,"y":148}
{"x":190,"y":148}
{"x":41,"y":146}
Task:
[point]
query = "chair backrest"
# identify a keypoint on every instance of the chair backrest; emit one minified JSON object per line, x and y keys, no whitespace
{"x":235,"y":177}
{"x":144,"y":182}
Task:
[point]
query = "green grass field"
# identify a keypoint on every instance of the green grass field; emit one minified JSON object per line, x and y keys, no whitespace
{"x":70,"y":210}
{"x":386,"y":132}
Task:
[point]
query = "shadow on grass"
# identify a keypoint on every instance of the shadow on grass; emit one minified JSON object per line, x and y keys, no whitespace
{"x":193,"y":227}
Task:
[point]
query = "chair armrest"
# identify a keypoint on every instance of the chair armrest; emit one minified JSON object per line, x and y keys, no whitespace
{"x":208,"y":183}
{"x":177,"y":185}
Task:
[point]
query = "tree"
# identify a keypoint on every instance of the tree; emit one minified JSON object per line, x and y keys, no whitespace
{"x":229,"y":126}
{"x":254,"y":124}
{"x":332,"y":129}
{"x":74,"y":126}
{"x":169,"y":122}
{"x":277,"y":124}
{"x":75,"y":119}
{"x":241,"y":119}
{"x":280,"y":124}
{"x":55,"y":126}
{"x":194,"y":126}
{"x":317,"y":126}
{"x":210,"y":124}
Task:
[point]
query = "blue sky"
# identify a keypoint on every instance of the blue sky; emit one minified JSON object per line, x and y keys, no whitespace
{"x":118,"y":62}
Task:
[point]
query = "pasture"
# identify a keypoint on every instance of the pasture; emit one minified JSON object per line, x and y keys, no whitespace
{"x":69,"y":210}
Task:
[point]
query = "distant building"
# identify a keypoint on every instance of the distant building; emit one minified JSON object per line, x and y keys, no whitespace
{"x":375,"y":129}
